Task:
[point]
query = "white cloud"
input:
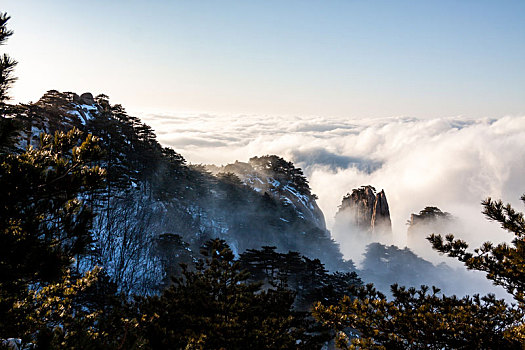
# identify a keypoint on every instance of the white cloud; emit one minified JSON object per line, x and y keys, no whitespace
{"x":450,"y":163}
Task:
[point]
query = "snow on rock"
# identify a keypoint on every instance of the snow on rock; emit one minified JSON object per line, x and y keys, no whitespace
{"x":278,"y":185}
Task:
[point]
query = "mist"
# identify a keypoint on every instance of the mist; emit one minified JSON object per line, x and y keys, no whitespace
{"x":449,"y":163}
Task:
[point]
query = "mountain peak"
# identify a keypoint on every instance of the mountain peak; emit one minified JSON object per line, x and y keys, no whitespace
{"x":280,"y":179}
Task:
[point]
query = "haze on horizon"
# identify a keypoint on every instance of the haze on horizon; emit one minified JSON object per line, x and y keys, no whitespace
{"x":350,"y":59}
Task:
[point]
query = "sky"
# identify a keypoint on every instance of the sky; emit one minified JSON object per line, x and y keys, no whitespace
{"x":347,"y":59}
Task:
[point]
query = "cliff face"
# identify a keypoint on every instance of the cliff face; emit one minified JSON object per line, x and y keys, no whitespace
{"x":366,"y":210}
{"x":380,"y":221}
{"x":428,"y":216}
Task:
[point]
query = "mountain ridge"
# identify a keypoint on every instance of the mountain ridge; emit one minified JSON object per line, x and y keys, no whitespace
{"x":152,"y":194}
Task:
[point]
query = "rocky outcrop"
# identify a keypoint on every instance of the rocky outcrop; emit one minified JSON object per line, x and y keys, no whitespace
{"x":428,"y":215}
{"x":282,"y":181}
{"x":429,"y":219}
{"x":366,"y":210}
{"x":57,"y":111}
{"x":86,"y":98}
{"x":380,"y":221}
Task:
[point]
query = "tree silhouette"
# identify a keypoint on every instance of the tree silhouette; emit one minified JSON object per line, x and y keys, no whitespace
{"x":416,"y":319}
{"x":215,"y":307}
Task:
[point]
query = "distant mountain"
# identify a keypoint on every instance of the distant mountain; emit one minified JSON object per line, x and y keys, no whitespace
{"x":429,"y":220}
{"x":385,"y":265}
{"x":156,"y":210}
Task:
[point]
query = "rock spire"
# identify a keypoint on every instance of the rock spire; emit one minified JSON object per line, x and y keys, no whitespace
{"x":366,"y":210}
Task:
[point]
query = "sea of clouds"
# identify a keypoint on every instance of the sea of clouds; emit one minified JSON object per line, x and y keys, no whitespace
{"x":451,"y":163}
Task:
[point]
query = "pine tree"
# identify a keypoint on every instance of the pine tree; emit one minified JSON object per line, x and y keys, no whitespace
{"x":504,"y":263}
{"x":8,"y":126}
{"x":43,"y":222}
{"x":419,"y":319}
{"x":215,"y":307}
{"x":7,"y":64}
{"x":416,"y":319}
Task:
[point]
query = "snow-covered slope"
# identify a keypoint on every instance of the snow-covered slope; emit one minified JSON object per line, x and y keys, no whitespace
{"x":282,"y":181}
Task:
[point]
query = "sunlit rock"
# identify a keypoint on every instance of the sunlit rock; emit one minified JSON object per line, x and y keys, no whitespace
{"x":365,"y":211}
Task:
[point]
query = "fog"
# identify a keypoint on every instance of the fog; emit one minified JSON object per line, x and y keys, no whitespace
{"x":450,"y":163}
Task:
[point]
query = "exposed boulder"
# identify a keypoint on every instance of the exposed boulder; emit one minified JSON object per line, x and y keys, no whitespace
{"x":87,"y":98}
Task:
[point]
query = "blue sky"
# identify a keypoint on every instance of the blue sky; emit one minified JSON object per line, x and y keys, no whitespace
{"x":329,"y":58}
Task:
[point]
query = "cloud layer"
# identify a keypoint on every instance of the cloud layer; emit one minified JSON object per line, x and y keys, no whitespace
{"x":449,"y":163}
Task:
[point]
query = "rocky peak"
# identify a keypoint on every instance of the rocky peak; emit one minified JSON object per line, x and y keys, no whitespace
{"x":84,"y":99}
{"x":431,"y":217}
{"x":380,"y":221}
{"x":366,"y":210}
{"x":420,"y":226}
{"x":280,"y":179}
